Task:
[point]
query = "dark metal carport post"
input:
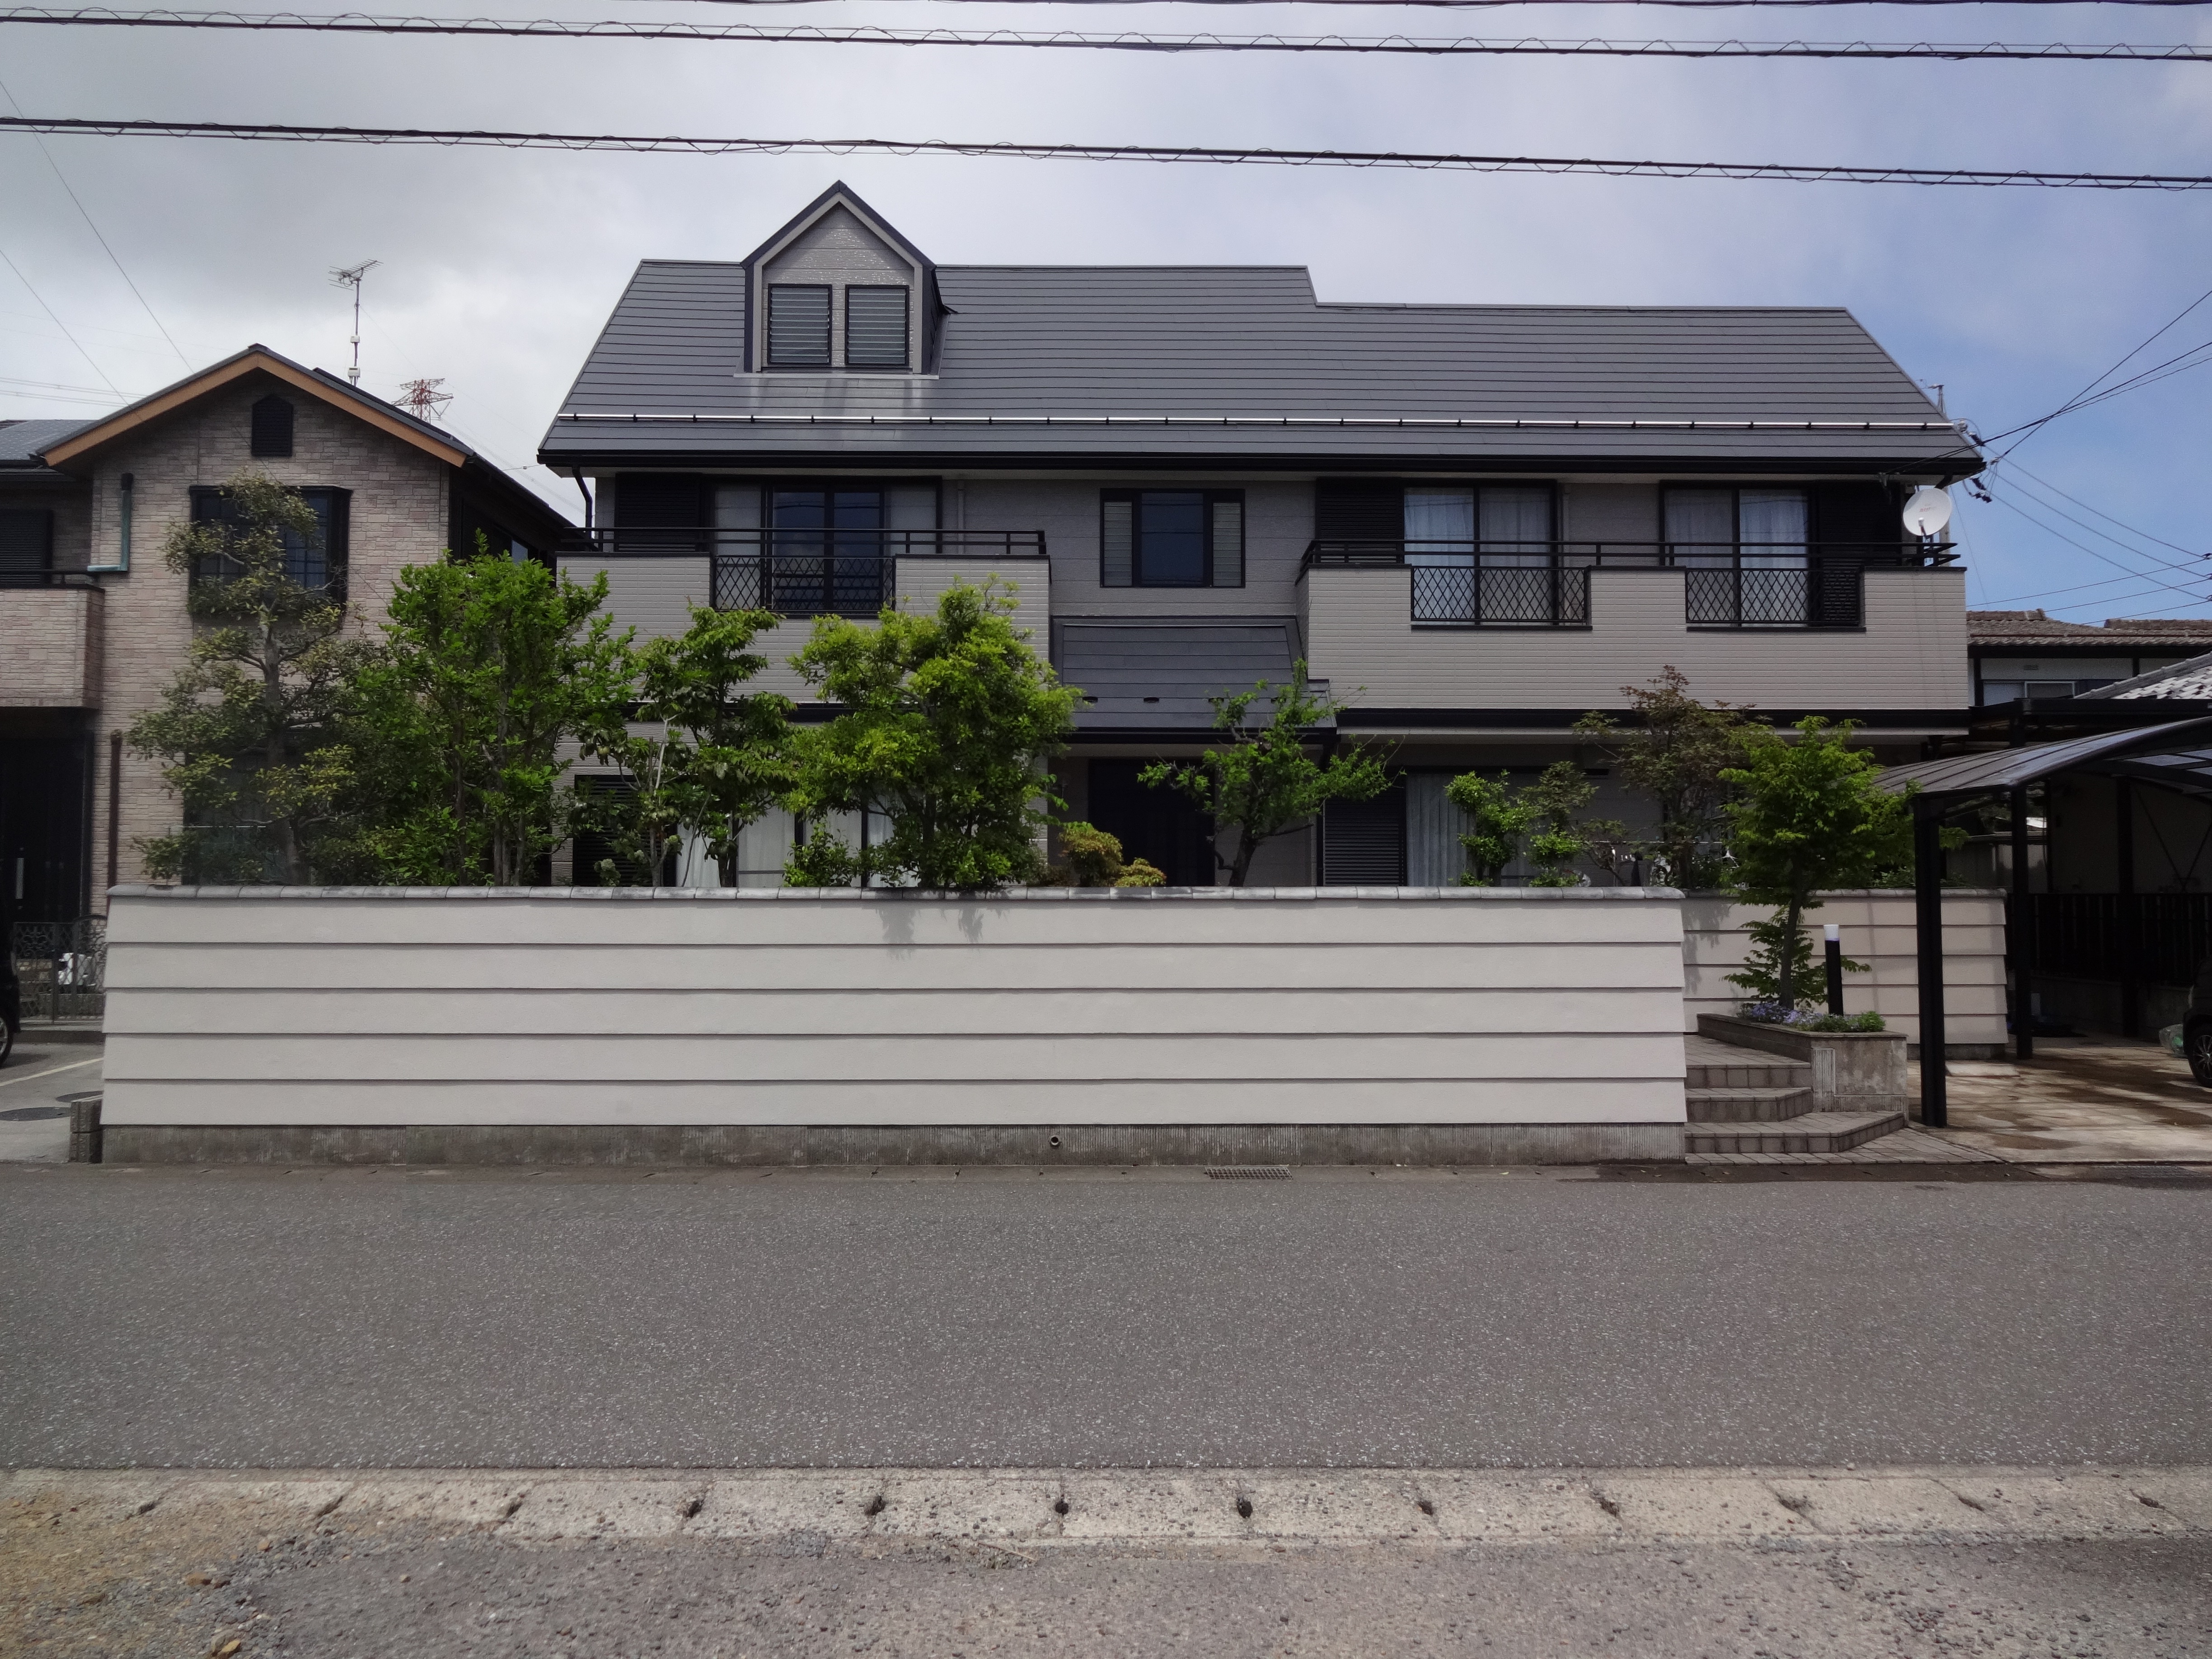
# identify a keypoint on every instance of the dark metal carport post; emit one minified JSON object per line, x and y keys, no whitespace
{"x":2020,"y":938}
{"x":1928,"y":929}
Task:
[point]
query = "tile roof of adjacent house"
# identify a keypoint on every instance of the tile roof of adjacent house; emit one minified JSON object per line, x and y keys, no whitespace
{"x":2182,"y":682}
{"x":21,"y":446}
{"x":2032,"y":629}
{"x":1123,"y":362}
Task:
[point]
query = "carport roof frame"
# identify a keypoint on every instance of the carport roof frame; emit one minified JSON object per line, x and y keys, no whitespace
{"x":2156,"y":754}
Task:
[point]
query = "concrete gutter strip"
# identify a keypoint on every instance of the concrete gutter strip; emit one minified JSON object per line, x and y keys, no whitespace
{"x":1147,"y":1508}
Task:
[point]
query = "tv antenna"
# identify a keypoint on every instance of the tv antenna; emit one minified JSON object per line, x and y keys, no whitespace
{"x":350,"y":277}
{"x":422,"y":399}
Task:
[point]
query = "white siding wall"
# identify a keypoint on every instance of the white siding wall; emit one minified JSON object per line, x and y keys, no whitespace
{"x":1878,"y":930}
{"x":1288,"y":1007}
{"x":1911,"y":654}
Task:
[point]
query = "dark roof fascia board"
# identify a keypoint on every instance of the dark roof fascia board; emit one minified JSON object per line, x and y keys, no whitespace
{"x":1562,"y":720}
{"x":1189,"y":460}
{"x":2131,"y":644}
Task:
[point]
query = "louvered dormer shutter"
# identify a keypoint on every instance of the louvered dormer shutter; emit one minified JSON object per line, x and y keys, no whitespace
{"x":798,"y":326}
{"x":875,"y":328}
{"x":1117,"y":540}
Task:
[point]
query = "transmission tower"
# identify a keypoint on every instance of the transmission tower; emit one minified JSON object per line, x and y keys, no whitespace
{"x":422,"y":399}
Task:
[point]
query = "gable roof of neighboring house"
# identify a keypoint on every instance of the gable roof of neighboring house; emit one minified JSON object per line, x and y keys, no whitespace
{"x":2180,"y":682}
{"x":2033,"y":631}
{"x":1207,"y":363}
{"x":86,"y":438}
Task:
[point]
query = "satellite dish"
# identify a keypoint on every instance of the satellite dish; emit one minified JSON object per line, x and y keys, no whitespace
{"x":1928,"y":511}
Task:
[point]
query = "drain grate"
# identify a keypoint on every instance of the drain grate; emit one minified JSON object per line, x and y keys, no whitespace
{"x":1249,"y":1172}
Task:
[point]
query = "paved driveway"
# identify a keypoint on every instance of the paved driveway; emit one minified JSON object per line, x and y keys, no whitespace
{"x":37,"y":1087}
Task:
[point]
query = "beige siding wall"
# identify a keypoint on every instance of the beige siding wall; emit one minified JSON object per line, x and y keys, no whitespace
{"x":922,"y":581}
{"x":1877,"y":930}
{"x":1278,"y":524}
{"x":399,"y":517}
{"x":1911,"y":654}
{"x":780,"y":1007}
{"x":50,"y":648}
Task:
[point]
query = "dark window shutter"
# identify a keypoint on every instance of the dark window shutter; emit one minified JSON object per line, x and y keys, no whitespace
{"x":798,"y":326}
{"x":1117,"y":540}
{"x":1228,"y":541}
{"x":27,"y":541}
{"x":272,"y":427}
{"x":1363,"y":841}
{"x":875,"y":327}
{"x":662,"y":500}
{"x":1858,"y":513}
{"x":1359,"y":510}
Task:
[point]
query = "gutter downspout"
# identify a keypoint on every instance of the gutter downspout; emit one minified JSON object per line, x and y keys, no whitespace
{"x":124,"y":491}
{"x":585,"y":490}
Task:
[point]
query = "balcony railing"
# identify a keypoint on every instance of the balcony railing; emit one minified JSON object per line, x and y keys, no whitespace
{"x":803,"y":573}
{"x":1546,"y":583}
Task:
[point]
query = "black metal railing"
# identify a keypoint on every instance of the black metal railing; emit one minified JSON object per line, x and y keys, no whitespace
{"x":1546,"y":583}
{"x":31,"y":576}
{"x":61,"y":967}
{"x":836,"y":571}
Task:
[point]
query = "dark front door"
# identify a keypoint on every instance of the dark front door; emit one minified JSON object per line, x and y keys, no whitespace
{"x":1163,"y":826}
{"x":42,"y":828}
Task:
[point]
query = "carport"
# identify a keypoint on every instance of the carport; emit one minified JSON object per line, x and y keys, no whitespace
{"x":2176,"y":755}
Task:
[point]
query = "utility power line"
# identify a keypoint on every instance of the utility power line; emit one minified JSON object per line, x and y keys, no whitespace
{"x":1803,"y":173}
{"x":1703,"y":6}
{"x":871,"y":35}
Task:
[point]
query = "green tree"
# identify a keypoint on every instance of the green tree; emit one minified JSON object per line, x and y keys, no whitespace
{"x":1540,"y":818}
{"x":1265,"y":780}
{"x":251,"y":731}
{"x":949,"y":720}
{"x":721,"y":758}
{"x":489,"y":667}
{"x":1094,"y":860}
{"x":1807,"y":816}
{"x":1674,"y":754}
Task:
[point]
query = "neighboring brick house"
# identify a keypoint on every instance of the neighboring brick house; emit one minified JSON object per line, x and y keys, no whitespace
{"x":94,"y":625}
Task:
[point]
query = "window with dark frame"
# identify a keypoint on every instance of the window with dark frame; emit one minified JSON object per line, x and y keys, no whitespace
{"x":876,"y":327}
{"x":798,"y":325}
{"x":316,"y":562}
{"x":26,"y":545}
{"x":1171,"y":538}
{"x":270,"y":437}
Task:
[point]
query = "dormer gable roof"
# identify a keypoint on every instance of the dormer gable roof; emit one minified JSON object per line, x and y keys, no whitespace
{"x":839,"y":195}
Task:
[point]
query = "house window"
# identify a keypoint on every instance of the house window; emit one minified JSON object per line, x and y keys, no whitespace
{"x":318,"y":561}
{"x":1171,"y":538}
{"x":1483,"y":554}
{"x":272,"y":428}
{"x":875,"y":328}
{"x":1745,"y":550}
{"x":798,"y":326}
{"x":26,"y":545}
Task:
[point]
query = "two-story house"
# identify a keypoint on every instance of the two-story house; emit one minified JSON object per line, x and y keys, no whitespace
{"x":1474,"y":523}
{"x":94,"y":624}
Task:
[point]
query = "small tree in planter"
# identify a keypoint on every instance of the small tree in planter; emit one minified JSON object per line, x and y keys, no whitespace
{"x":1807,"y":816}
{"x":1261,"y":781}
{"x":1092,"y":858}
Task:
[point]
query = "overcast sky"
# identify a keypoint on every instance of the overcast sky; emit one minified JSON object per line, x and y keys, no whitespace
{"x":498,"y":267}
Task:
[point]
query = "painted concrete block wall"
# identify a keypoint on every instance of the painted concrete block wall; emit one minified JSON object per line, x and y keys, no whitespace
{"x":50,"y":648}
{"x":1910,"y":655}
{"x":367,"y":1007}
{"x":1877,"y":930}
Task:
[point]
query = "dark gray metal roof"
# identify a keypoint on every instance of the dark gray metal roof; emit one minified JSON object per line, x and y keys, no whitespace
{"x":2178,"y":754}
{"x":1123,"y":364}
{"x":1147,"y":674}
{"x":21,"y":442}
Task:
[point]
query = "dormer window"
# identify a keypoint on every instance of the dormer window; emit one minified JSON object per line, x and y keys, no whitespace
{"x":876,"y":327}
{"x":798,"y":325}
{"x":271,"y":433}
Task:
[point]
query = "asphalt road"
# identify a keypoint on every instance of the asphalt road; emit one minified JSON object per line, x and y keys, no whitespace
{"x":262,"y":1319}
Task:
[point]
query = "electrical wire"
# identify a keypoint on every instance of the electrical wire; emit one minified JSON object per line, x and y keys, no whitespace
{"x":2140,"y":575}
{"x":2145,"y":535}
{"x":58,"y":322}
{"x":86,"y":214}
{"x":809,"y":34}
{"x":1701,"y":5}
{"x":1798,"y":172}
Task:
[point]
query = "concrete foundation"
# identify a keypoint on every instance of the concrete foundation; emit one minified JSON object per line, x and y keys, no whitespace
{"x":1427,"y":1144}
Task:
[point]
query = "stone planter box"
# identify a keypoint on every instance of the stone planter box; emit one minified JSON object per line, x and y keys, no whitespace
{"x":1852,"y":1071}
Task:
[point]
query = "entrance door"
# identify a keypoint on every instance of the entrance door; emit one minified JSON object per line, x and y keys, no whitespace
{"x":1163,"y":826}
{"x":42,"y":832}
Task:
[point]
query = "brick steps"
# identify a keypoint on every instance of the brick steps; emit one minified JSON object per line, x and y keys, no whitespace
{"x":1808,"y":1132}
{"x":1748,"y":1105}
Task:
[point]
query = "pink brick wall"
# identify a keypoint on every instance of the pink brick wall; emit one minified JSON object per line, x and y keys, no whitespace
{"x":398,"y":518}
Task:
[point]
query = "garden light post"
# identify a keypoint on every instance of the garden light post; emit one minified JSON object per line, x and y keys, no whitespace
{"x":1834,"y":939}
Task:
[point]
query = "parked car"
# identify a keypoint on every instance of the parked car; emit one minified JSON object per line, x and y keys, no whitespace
{"x":11,"y":1002}
{"x":2195,"y":1028}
